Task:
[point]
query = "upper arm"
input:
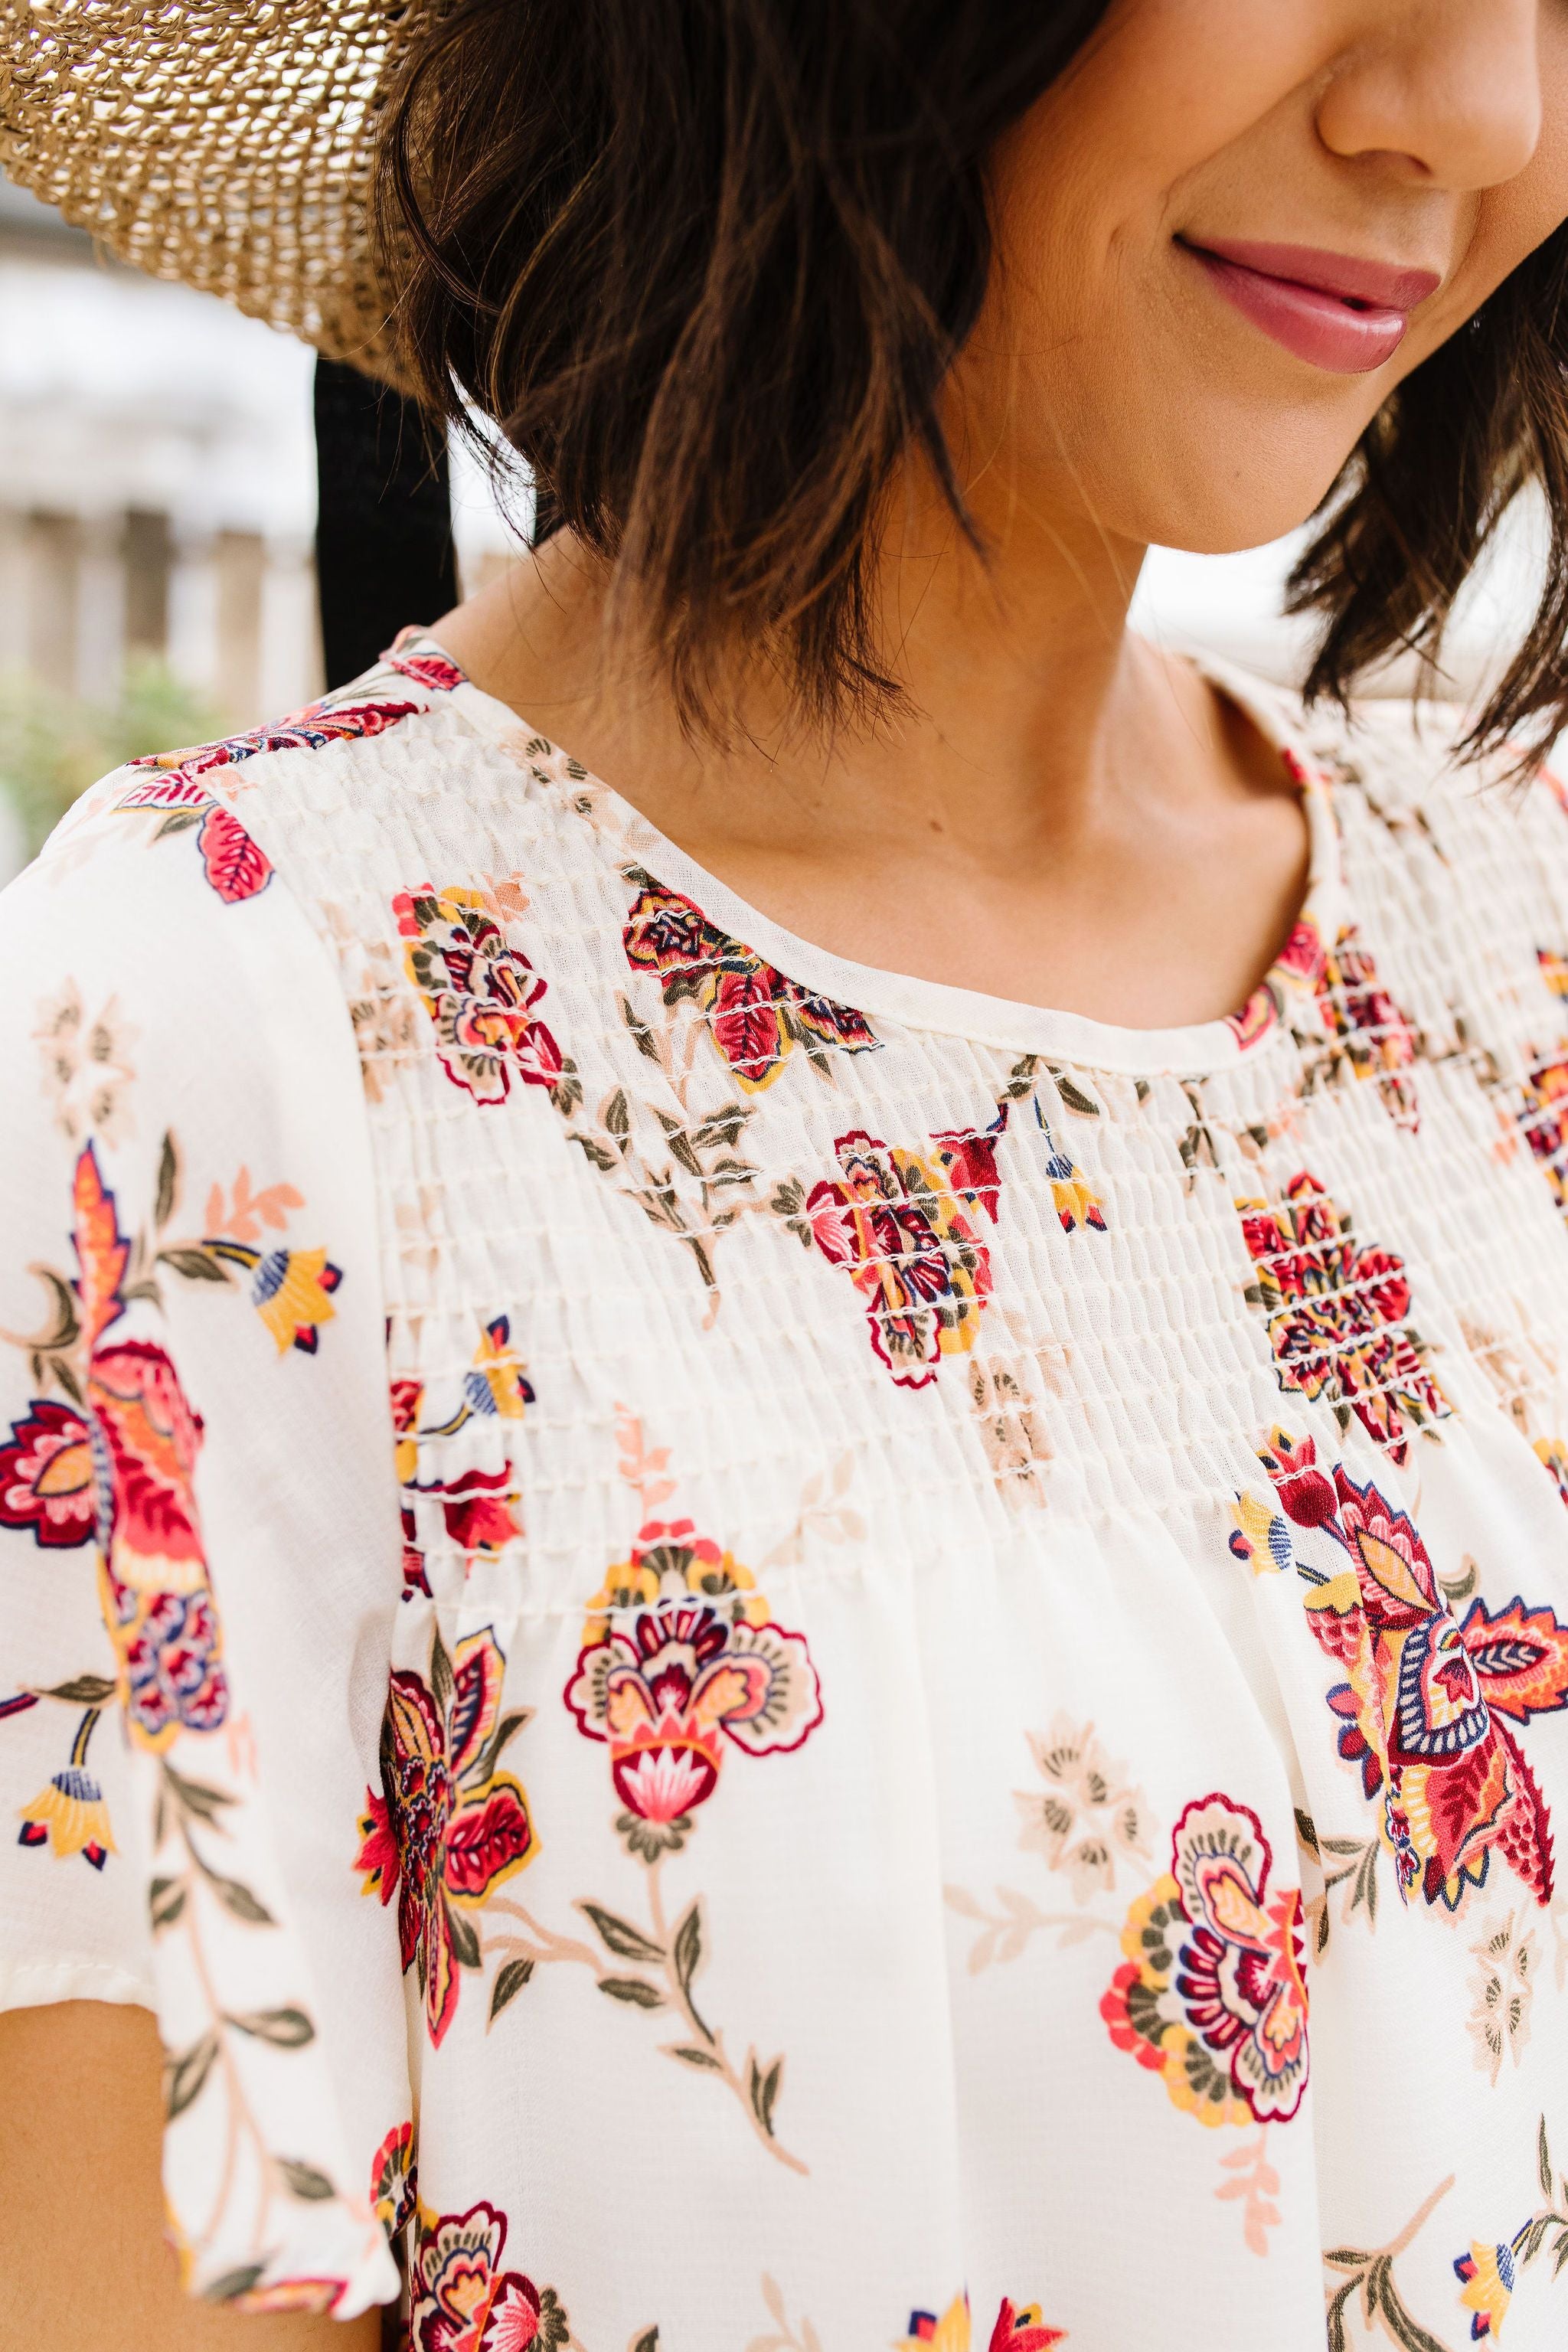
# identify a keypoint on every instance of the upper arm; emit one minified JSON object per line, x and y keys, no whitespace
{"x":83,"y":2260}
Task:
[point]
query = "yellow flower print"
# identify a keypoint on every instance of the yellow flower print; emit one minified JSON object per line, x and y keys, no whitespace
{"x":669,"y":1560}
{"x":1488,"y":2274}
{"x":71,"y":1817}
{"x":502,"y":1371}
{"x":290,"y":1289}
{"x":1554,"y":1455}
{"x":1260,"y":1536}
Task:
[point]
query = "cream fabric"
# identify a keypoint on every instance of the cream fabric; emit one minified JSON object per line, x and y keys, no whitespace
{"x":970,"y":1608}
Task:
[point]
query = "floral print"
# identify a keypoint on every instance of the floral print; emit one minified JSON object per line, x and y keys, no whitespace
{"x":1337,"y":1316}
{"x":700,"y":1668}
{"x":47,"y":1478}
{"x":463,"y":2300}
{"x":69,"y":1814}
{"x":1297,"y":969}
{"x":905,"y":1226}
{"x":235,"y":867}
{"x":754,"y":1016}
{"x":448,"y":1827}
{"x":481,"y":1509}
{"x":1376,"y":1038}
{"x":1488,"y":2273}
{"x":1212,"y":1996}
{"x":395,"y":2180}
{"x":662,"y":1842}
{"x":1421,"y":1711}
{"x":1543,"y":1119}
{"x":1015,"y":2331}
{"x":1503,"y":1984}
{"x":1088,"y":1817}
{"x":481,"y":994}
{"x":142,"y":1439}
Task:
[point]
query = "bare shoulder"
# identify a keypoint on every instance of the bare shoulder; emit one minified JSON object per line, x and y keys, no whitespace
{"x":83,"y":2258}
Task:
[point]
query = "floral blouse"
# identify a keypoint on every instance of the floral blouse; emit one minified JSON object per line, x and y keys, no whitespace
{"x":756,"y":1657}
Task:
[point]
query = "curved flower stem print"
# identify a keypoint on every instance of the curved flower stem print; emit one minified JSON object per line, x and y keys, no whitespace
{"x":1370,"y":2276}
{"x":1254,"y":2180}
{"x":1347,"y":1861}
{"x":698,"y":1184}
{"x":660,"y":1972}
{"x":175,"y":1899}
{"x":781,"y":2337}
{"x":1005,"y":1933}
{"x":682,"y":1666}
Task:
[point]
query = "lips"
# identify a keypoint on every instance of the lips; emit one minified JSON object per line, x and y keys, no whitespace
{"x":1335,"y":310}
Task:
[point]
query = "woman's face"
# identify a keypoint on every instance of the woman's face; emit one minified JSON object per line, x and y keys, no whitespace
{"x":1233,"y":228}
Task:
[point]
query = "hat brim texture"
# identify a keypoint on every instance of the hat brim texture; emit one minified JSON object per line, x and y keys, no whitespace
{"x":224,"y":143}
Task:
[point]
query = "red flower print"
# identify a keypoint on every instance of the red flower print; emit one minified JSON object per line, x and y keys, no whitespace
{"x":1337,"y":1314}
{"x":907,"y":1240}
{"x":395,"y":2180}
{"x":1307,"y":1493}
{"x":1302,"y":957}
{"x":481,"y":1509}
{"x":235,"y":866}
{"x":756,"y":1016}
{"x":428,"y":669}
{"x":1015,"y":2331}
{"x":47,"y":1478}
{"x":1256,"y":1019}
{"x":143,"y":1438}
{"x":1367,"y":1026}
{"x":1420,"y":1713}
{"x":480,"y":993}
{"x":699,"y":1664}
{"x":1543,"y":1116}
{"x":1023,"y":2331}
{"x":460,"y":2299}
{"x":303,"y":730}
{"x":1212,"y":1996}
{"x":448,"y":1828}
{"x":1296,"y":967}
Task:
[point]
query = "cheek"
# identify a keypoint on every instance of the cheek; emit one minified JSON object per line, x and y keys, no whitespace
{"x":1089,"y":179}
{"x":1511,"y":221}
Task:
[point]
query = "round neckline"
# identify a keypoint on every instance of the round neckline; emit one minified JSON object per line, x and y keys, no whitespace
{"x":909,"y":1001}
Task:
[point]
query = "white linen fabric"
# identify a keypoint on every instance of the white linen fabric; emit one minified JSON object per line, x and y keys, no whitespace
{"x":755,"y":1654}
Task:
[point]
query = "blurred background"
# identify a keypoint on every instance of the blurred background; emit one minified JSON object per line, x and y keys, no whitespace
{"x":158,"y":517}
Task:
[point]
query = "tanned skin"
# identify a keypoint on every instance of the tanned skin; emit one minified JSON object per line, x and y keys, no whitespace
{"x":84,"y":2263}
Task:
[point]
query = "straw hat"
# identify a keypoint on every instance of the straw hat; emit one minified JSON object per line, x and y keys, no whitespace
{"x":226,"y":143}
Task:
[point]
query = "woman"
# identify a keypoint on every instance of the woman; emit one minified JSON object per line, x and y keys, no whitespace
{"x":807,"y":1656}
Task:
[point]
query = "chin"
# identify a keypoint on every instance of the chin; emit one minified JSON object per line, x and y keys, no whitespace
{"x":1209,"y":508}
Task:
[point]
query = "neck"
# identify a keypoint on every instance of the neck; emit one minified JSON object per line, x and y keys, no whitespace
{"x":1024,"y":698}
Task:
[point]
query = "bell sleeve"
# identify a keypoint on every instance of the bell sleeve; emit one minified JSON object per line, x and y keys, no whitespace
{"x":200,"y":1542}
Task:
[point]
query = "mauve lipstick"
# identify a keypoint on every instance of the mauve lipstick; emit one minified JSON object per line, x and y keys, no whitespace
{"x":1332,"y":310}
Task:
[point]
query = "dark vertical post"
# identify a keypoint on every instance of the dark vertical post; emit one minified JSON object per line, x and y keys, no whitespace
{"x":385,"y":555}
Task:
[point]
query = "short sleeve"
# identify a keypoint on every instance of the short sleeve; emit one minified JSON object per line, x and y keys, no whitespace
{"x":199,"y":1534}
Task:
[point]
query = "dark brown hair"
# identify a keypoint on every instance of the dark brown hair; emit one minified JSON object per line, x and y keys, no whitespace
{"x":705,"y":263}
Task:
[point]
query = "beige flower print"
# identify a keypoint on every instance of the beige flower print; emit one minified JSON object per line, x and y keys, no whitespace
{"x":86,"y":1066}
{"x":1502,"y":1983}
{"x":1087,"y":1817}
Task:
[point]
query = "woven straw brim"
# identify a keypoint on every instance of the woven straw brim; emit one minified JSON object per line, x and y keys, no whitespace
{"x":225,"y":144}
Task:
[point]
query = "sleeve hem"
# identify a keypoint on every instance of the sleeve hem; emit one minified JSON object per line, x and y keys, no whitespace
{"x":40,"y":1984}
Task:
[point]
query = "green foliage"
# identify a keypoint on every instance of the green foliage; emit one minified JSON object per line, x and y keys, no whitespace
{"x":53,"y":746}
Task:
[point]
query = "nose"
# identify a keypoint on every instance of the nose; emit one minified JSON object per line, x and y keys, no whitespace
{"x":1449,"y":88}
